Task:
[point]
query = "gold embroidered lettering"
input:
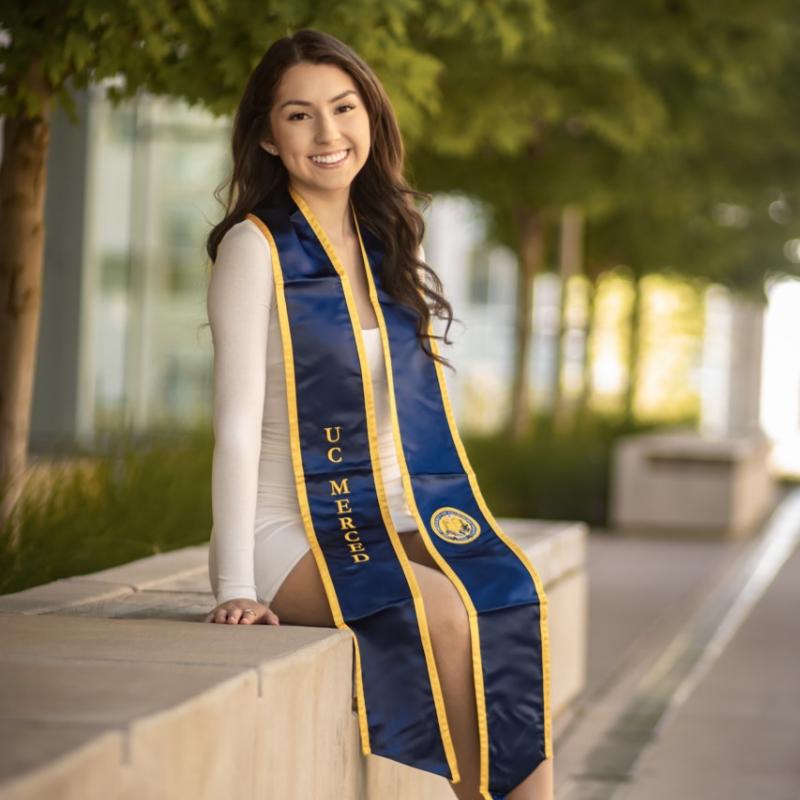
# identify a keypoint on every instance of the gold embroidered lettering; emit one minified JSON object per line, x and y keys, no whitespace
{"x":338,"y":434}
{"x":341,"y":486}
{"x":343,"y":509}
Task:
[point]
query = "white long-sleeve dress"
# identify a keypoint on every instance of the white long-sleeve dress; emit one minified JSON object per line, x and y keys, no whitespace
{"x":257,"y":535}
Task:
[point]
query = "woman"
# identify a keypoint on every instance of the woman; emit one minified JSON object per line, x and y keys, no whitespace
{"x":317,"y":201}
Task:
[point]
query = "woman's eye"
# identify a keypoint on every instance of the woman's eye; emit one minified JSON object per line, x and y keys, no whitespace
{"x":297,"y":114}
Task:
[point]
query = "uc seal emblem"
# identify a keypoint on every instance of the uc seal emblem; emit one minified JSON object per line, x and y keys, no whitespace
{"x":454,"y":525}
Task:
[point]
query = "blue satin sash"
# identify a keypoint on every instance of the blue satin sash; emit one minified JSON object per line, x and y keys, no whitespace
{"x":369,"y":583}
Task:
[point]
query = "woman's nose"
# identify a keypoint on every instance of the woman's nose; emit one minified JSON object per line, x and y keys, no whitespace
{"x":328,"y":130}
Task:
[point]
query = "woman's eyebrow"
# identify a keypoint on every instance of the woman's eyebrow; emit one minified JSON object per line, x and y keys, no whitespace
{"x":306,"y":103}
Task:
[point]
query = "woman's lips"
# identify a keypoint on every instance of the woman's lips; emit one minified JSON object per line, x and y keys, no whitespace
{"x":329,"y":165}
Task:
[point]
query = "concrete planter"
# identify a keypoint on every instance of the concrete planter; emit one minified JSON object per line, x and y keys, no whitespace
{"x":685,"y":484}
{"x":110,"y":689}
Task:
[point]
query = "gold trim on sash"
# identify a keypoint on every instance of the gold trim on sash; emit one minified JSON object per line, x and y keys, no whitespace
{"x":477,"y":664}
{"x":408,"y":571}
{"x":480,"y":695}
{"x":518,"y":551}
{"x":300,"y":481}
{"x":409,"y":495}
{"x":419,"y":607}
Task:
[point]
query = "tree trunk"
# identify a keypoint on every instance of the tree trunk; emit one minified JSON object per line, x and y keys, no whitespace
{"x":557,"y":407}
{"x":531,"y":251}
{"x":585,"y":396}
{"x":634,"y":332}
{"x":570,"y":264}
{"x":22,"y":192}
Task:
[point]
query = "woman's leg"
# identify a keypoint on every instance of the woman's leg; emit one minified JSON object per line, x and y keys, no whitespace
{"x":301,"y":600}
{"x":450,"y":635}
{"x":537,"y":786}
{"x":449,"y":625}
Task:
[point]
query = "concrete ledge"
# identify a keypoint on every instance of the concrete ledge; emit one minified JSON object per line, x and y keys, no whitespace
{"x":109,"y":688}
{"x":682,"y":483}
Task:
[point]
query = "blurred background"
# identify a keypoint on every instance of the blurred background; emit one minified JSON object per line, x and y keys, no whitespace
{"x":616,"y":222}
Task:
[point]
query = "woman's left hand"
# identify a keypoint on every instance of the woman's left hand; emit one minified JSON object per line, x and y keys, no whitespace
{"x":243,"y":610}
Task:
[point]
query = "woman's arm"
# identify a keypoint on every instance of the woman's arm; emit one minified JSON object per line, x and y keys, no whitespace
{"x":238,"y":303}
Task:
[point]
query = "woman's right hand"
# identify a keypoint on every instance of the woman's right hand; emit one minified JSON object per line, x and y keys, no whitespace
{"x":242,"y":610}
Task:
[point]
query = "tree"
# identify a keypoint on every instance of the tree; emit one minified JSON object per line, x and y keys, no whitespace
{"x":555,"y":122}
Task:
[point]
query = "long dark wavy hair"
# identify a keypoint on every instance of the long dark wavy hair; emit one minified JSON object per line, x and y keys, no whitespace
{"x":380,"y":192}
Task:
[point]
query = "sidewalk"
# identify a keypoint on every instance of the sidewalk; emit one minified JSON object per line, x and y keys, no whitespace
{"x":737,"y":735}
{"x":654,"y":607}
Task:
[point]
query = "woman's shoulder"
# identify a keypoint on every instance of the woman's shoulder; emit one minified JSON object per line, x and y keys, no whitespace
{"x":242,"y":271}
{"x":244,"y":239}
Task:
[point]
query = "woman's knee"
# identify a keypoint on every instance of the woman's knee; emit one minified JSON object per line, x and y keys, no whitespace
{"x":301,"y":600}
{"x":416,"y":550}
{"x":447,"y":615}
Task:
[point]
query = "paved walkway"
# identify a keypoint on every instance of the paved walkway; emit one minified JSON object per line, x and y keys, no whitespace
{"x":643,"y":730}
{"x":737,"y":735}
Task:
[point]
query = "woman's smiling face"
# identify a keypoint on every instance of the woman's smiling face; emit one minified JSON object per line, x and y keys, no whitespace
{"x":318,"y":111}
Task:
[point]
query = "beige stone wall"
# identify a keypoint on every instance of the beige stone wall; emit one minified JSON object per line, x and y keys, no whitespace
{"x":110,"y":689}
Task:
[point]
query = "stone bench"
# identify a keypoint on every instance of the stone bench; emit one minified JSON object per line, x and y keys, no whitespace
{"x":109,"y":688}
{"x":683,"y":483}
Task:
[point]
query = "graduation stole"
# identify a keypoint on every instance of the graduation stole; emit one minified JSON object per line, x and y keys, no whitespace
{"x":370,"y":586}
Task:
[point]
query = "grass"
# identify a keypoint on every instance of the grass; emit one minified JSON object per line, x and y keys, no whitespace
{"x":94,"y":512}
